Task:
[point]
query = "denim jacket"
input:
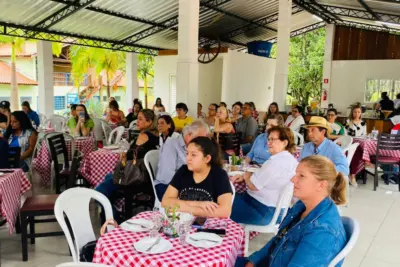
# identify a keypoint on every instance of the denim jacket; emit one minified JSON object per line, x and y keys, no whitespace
{"x":313,"y":241}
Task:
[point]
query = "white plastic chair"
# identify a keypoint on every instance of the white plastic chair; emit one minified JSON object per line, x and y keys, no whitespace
{"x":352,"y":228}
{"x":351,"y":149}
{"x":233,"y":191}
{"x":106,"y":130}
{"x":74,"y":203}
{"x":98,"y":129}
{"x":345,"y":141}
{"x":299,"y":138}
{"x":81,"y":264}
{"x":163,"y":113}
{"x":132,"y":125}
{"x":283,"y":203}
{"x":42,"y":118}
{"x":57,"y":122}
{"x":119,"y":131}
{"x":151,"y":162}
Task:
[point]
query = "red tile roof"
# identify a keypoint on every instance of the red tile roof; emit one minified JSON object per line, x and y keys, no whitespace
{"x":5,"y":76}
{"x":28,"y":49}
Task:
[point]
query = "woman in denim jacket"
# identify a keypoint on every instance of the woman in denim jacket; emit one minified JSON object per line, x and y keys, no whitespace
{"x":312,"y":233}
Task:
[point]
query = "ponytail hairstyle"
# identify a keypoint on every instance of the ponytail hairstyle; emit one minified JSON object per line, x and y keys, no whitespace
{"x":209,"y":147}
{"x":324,"y":170}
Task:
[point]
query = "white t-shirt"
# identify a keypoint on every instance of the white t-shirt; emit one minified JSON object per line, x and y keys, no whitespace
{"x":174,"y":135}
{"x":273,"y":176}
{"x":295,"y":123}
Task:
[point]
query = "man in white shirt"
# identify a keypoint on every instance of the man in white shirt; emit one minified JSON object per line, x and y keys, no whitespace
{"x":296,"y":120}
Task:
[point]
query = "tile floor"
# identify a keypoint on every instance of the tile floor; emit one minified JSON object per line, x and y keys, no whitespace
{"x":377,"y":212}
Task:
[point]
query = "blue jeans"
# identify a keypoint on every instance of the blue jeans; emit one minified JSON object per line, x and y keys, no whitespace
{"x":246,"y":148}
{"x":241,"y":262}
{"x":246,"y":209}
{"x":107,"y":188}
{"x":160,"y":190}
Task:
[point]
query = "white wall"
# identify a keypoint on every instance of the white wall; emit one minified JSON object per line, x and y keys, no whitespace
{"x":349,"y":78}
{"x":248,"y":78}
{"x":210,"y":80}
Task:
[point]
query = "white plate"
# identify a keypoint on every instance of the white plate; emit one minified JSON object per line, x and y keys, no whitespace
{"x":111,"y":147}
{"x":143,"y":244}
{"x":1,"y":173}
{"x":234,"y":173}
{"x":136,"y":225}
{"x":204,"y":243}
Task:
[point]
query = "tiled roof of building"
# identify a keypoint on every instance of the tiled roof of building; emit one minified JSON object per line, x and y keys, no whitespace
{"x":5,"y":76}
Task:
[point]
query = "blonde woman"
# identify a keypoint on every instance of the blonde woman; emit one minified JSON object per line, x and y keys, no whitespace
{"x":312,"y":233}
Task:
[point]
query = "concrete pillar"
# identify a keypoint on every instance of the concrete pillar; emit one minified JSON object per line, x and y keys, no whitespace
{"x":282,"y":55}
{"x":132,"y":86}
{"x":187,"y":67}
{"x":45,"y":77}
{"x":328,"y":56}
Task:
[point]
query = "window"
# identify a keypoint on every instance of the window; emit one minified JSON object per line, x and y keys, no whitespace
{"x":117,"y":98}
{"x":72,"y":99}
{"x":25,"y":98}
{"x":4,"y":98}
{"x":374,"y":88}
{"x":59,"y":102}
{"x":172,"y":92}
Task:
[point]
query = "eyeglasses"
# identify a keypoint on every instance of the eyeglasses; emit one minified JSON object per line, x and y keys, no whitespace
{"x":272,"y":140}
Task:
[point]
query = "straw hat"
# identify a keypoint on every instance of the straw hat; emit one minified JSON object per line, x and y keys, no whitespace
{"x":317,"y":121}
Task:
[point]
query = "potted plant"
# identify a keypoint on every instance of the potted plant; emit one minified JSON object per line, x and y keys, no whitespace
{"x":171,"y":219}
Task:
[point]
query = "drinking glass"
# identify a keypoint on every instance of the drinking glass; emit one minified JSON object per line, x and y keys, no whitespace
{"x":157,"y":220}
{"x":182,"y":231}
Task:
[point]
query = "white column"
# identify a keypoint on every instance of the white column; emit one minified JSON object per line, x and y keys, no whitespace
{"x":282,"y":55}
{"x":328,"y":56}
{"x":187,"y":67}
{"x":45,"y":77}
{"x":132,"y":86}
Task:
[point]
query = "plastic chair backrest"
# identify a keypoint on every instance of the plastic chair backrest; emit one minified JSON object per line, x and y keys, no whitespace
{"x":298,"y":137}
{"x":57,"y":122}
{"x":132,"y":124}
{"x":106,"y":130}
{"x":42,"y":118}
{"x":98,"y":129}
{"x":119,"y":131}
{"x":74,"y":205}
{"x":283,"y":203}
{"x":351,"y":150}
{"x":345,"y":141}
{"x":151,"y":162}
{"x":352,"y":228}
{"x":233,"y":191}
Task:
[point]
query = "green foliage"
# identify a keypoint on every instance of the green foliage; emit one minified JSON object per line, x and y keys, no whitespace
{"x":94,"y":108}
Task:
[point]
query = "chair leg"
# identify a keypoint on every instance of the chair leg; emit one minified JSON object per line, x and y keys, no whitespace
{"x":24,"y":239}
{"x":32,"y":229}
{"x":375,"y":180}
{"x":247,"y":241}
{"x":18,"y":225}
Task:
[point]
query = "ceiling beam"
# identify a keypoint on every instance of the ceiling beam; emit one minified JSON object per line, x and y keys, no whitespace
{"x":369,"y":27}
{"x":63,"y":13}
{"x":370,"y":11}
{"x":32,"y":32}
{"x":303,"y":30}
{"x":320,"y":7}
{"x":313,"y":10}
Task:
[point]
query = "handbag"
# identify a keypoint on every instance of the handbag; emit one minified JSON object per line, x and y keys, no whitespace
{"x":133,"y":173}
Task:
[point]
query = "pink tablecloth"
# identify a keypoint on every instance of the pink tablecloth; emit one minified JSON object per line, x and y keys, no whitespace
{"x":97,"y":164}
{"x":12,"y":186}
{"x":42,"y":162}
{"x":116,"y":249}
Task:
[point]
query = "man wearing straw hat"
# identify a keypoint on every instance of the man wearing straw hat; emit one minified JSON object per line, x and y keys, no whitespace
{"x":319,"y":144}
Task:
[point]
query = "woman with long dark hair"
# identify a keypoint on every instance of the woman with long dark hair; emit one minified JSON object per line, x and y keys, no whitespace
{"x":158,"y":106}
{"x":114,"y":115}
{"x":22,"y":134}
{"x":81,"y":124}
{"x":273,"y":109}
{"x":132,"y":116}
{"x":32,"y":115}
{"x":201,"y":186}
{"x":166,"y":128}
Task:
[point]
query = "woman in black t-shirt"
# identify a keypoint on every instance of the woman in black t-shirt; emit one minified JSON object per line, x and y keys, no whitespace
{"x":201,"y":187}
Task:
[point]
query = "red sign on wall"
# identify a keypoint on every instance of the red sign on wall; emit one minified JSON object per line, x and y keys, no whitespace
{"x":326,"y":80}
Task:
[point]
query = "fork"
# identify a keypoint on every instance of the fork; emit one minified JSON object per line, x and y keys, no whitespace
{"x":202,"y":239}
{"x":154,"y":244}
{"x":133,"y":223}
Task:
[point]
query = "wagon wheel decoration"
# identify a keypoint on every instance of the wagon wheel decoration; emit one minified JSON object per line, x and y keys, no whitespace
{"x":209,"y":50}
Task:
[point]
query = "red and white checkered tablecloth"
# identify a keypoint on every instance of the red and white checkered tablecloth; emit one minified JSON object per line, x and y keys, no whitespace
{"x":12,"y":186}
{"x":42,"y":162}
{"x":97,"y":164}
{"x":116,"y":249}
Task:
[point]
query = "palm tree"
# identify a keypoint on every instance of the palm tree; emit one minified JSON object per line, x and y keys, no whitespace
{"x":109,"y":61}
{"x":145,"y":69}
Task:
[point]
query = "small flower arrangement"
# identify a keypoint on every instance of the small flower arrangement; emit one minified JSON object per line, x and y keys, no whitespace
{"x":171,"y":219}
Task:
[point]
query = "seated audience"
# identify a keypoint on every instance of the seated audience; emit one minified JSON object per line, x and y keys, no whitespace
{"x":221,"y":124}
{"x":312,"y":233}
{"x":108,"y":108}
{"x":296,"y":120}
{"x":259,"y":151}
{"x":114,"y":115}
{"x":81,"y":124}
{"x":236,"y":112}
{"x":336,"y":127}
{"x":22,"y":134}
{"x":273,"y":109}
{"x":132,"y":116}
{"x":212,"y":113}
{"x":5,"y":115}
{"x":254,"y":112}
{"x":385,"y":103}
{"x":166,"y":128}
{"x":181,"y":120}
{"x":247,"y":127}
{"x":320,"y":145}
{"x":32,"y":115}
{"x":257,"y":205}
{"x":147,"y":140}
{"x":173,"y":154}
{"x":201,"y":187}
{"x":200,"y":113}
{"x":355,"y":126}
{"x":158,"y":106}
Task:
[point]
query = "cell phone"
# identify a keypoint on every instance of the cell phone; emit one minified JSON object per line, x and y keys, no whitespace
{"x":199,"y":222}
{"x":219,"y":232}
{"x":82,"y":115}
